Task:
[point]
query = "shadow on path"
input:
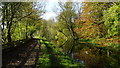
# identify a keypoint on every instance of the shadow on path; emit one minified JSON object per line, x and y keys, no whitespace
{"x":24,"y":56}
{"x":55,"y":62}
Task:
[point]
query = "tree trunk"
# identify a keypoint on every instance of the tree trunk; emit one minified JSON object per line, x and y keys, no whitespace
{"x":9,"y":35}
{"x":10,"y":23}
{"x":26,"y":31}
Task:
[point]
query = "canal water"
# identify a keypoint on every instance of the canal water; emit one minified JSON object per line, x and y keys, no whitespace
{"x":92,"y":56}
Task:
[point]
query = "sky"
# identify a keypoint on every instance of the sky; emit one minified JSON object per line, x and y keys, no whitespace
{"x":51,"y":8}
{"x":50,"y":13}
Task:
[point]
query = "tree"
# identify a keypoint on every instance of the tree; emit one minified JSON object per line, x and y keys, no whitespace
{"x":18,"y":20}
{"x":8,"y":12}
{"x":112,"y":20}
{"x":68,"y":12}
{"x":90,"y":21}
{"x":66,"y":17}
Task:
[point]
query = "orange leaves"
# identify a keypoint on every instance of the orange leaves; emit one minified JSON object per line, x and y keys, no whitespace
{"x":90,"y":24}
{"x":87,"y":31}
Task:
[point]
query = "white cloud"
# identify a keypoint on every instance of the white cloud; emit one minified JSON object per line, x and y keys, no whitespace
{"x":49,"y":15}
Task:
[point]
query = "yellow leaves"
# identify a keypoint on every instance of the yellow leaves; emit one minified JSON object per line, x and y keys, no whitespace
{"x":111,"y":39}
{"x":88,"y":30}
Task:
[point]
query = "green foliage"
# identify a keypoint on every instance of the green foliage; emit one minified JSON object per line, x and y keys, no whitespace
{"x":43,"y":61}
{"x":112,"y":20}
{"x":19,"y":20}
{"x":90,"y":21}
{"x":50,"y":51}
{"x":96,"y":20}
{"x":19,"y":31}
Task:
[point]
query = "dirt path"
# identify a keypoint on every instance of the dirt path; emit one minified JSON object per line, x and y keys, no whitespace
{"x":24,"y":56}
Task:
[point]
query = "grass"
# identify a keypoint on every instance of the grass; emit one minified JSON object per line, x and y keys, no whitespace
{"x":53,"y":57}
